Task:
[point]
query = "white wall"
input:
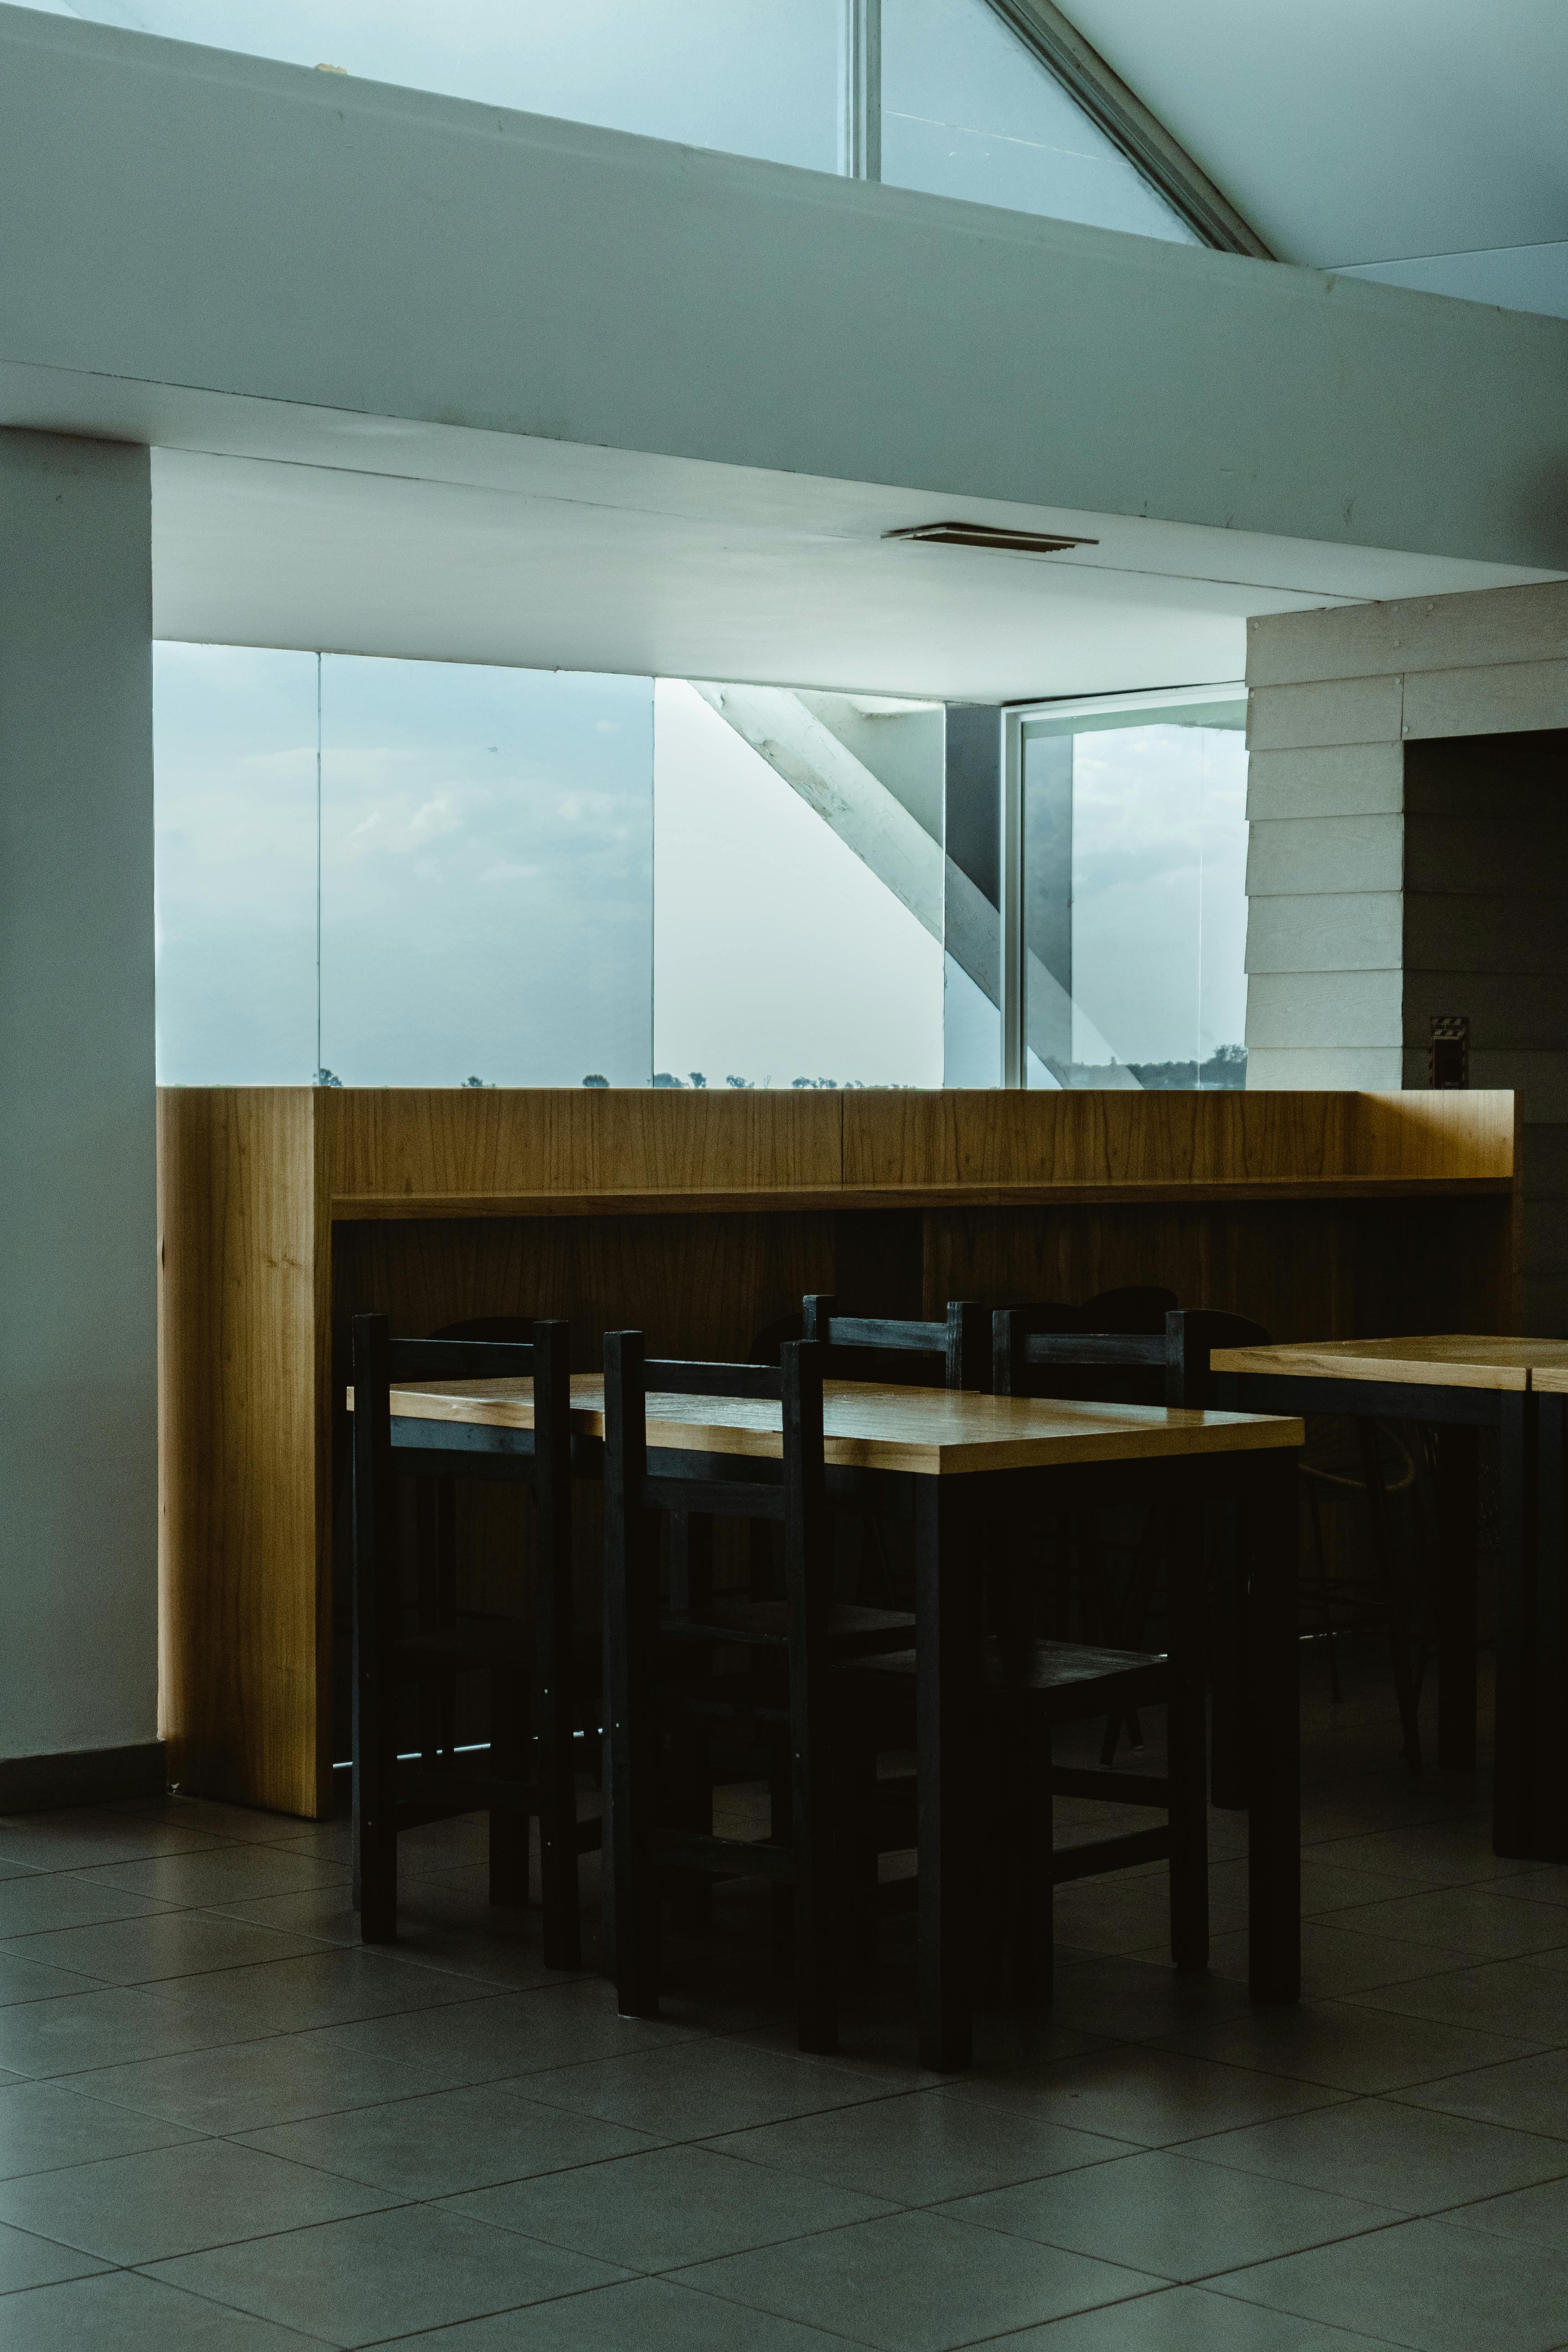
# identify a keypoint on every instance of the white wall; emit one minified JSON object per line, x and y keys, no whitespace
{"x":77,"y":1226}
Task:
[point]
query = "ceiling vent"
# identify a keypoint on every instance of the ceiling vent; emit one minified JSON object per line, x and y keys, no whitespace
{"x":990,"y":535}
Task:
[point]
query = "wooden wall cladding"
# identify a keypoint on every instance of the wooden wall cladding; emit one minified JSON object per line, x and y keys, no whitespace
{"x":243,"y":1559}
{"x":699,"y":1218}
{"x":1137,"y":1139}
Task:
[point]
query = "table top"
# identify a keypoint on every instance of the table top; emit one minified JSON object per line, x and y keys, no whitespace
{"x":1447,"y":1361}
{"x":872,"y":1426}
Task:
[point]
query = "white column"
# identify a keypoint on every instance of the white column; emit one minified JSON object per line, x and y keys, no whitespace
{"x":77,"y":1212}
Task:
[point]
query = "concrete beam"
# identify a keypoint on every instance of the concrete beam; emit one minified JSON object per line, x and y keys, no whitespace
{"x":178,"y":216}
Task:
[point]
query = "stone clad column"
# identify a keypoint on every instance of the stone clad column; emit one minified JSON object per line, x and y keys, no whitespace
{"x":78,"y":1211}
{"x":1408,"y":865}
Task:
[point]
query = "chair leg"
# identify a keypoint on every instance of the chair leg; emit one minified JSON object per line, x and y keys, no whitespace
{"x":1185,"y":1742}
{"x":508,"y":1805}
{"x":1033,"y":1843}
{"x":1394,"y":1594}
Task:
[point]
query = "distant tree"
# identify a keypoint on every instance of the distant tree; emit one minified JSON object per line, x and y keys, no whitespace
{"x":328,"y":1078}
{"x":698,"y":1079}
{"x":667,"y":1078}
{"x":740,"y":1082}
{"x":477,"y":1082}
{"x":595,"y":1079}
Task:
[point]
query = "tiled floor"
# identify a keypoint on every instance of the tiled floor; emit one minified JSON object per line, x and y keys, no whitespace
{"x":224,"y":2124}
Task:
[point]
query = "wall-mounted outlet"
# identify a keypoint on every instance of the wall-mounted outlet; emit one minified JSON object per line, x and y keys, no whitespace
{"x":1450,"y":1049}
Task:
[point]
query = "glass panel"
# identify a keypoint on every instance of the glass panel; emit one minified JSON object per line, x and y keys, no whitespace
{"x":756,"y":78}
{"x":486,"y":843}
{"x":967,"y":111}
{"x":234,"y":813}
{"x":798,"y":889}
{"x":1135,"y":904}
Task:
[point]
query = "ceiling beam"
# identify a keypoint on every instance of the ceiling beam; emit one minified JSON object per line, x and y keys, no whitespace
{"x":1127,"y":121}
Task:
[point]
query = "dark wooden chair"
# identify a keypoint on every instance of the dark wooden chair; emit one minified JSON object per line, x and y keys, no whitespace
{"x":950,"y":1354}
{"x":413,"y":1647}
{"x":662,"y":1680}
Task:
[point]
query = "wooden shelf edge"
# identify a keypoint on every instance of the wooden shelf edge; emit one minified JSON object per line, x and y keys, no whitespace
{"x":368,"y":1207}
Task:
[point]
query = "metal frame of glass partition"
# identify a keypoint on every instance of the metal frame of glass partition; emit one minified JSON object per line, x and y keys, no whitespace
{"x":1021,"y":723}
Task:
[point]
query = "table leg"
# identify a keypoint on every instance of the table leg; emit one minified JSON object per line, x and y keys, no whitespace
{"x":1459,"y":1537}
{"x":1551,"y":1655}
{"x":1274,"y":1863}
{"x":944,"y":1676}
{"x":1227,"y":1637}
{"x":1513,"y":1740}
{"x":1185,"y":1721}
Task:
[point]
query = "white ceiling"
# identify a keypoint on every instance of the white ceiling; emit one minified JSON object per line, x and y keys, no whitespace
{"x":558,"y":556}
{"x":1355,"y":131}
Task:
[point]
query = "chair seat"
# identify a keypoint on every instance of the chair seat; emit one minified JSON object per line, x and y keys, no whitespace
{"x":851,"y":1631}
{"x":1069,"y":1679}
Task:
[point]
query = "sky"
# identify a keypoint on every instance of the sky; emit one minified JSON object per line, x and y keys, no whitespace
{"x":966,"y":110}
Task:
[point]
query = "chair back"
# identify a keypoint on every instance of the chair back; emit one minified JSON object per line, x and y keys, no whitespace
{"x":1045,"y":1351}
{"x":379,"y":1360}
{"x":951,"y":1355}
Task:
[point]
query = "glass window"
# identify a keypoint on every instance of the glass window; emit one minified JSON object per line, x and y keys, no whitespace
{"x":752,"y":77}
{"x":465,"y":894}
{"x":1134,"y":856}
{"x":797,"y":889}
{"x":234,"y":827}
{"x":968,"y":110}
{"x":487,"y":844}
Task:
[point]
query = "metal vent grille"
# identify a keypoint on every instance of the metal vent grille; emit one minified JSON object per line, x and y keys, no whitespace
{"x":990,"y":535}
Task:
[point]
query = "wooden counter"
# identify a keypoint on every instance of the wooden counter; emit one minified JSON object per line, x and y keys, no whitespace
{"x":699,"y":1217}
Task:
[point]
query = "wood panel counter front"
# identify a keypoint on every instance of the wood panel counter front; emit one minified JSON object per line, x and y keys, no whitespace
{"x":699,"y":1216}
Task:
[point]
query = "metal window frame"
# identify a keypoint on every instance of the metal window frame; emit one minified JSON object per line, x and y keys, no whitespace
{"x":860,"y":128}
{"x":1141,"y":137}
{"x":1019,"y":722}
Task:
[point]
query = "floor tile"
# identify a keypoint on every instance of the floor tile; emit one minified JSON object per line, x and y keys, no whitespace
{"x":106,"y":2027}
{"x":160,"y":1944}
{"x":450,"y":2141}
{"x":1547,"y":1883}
{"x":1163,"y":2213}
{"x":1427,"y":2285}
{"x":695,"y":2090}
{"x":493,"y":2035}
{"x":1527,"y":1997}
{"x":173,"y":2200}
{"x":1183,"y":2319}
{"x":1407,"y":2157}
{"x":1151,"y":2096}
{"x":323,"y":1912}
{"x":28,"y":1980}
{"x":1481,"y":1923}
{"x":1441,"y":1853}
{"x":242,"y":2086}
{"x":83,"y":1838}
{"x":228,"y":1873}
{"x":916,"y":2283}
{"x":46,"y":2124}
{"x":922,"y":2148}
{"x":1335,"y":1958}
{"x":644,"y":2315}
{"x":247,"y":1824}
{"x":322,"y":1985}
{"x":1136,"y":1999}
{"x":386,"y":2274}
{"x":32,"y":1906}
{"x":669,"y":2207}
{"x":120,"y":2311}
{"x":1540,"y":2214}
{"x":1348,"y":2048}
{"x":27,"y":2260}
{"x":1329,"y":1886}
{"x":1527,"y":2095}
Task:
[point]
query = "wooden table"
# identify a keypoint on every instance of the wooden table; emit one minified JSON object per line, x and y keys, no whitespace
{"x":1547,"y":1632}
{"x":1463,"y":1383}
{"x":952,"y":1463}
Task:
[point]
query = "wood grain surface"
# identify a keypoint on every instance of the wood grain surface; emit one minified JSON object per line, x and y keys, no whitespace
{"x":1447,"y":1360}
{"x":929,"y":1432}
